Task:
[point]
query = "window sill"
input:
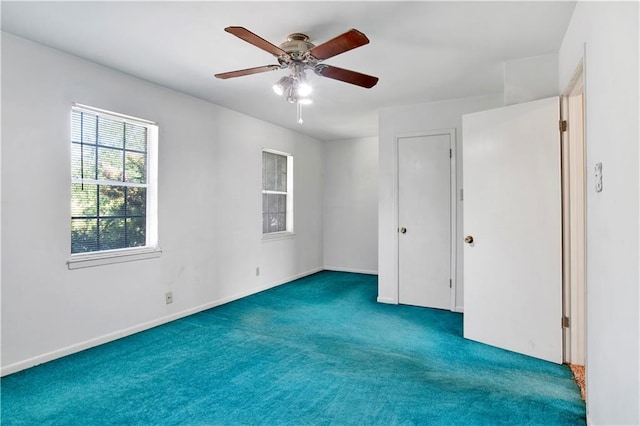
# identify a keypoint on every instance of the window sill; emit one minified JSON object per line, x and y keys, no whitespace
{"x":275,"y":236}
{"x":108,"y":257}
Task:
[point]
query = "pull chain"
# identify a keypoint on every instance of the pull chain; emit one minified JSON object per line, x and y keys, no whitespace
{"x":299,"y":109}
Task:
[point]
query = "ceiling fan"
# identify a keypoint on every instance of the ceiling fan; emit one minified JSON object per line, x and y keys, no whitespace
{"x":298,"y":55}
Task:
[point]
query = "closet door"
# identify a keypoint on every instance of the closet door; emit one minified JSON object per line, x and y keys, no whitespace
{"x":424,"y":213}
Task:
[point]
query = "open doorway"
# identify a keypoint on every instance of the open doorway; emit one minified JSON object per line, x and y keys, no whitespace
{"x":573,"y":207}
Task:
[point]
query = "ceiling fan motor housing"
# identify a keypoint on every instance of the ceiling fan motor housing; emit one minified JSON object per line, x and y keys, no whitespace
{"x":296,"y":45}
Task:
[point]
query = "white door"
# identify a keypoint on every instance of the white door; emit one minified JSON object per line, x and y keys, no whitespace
{"x":424,"y":219}
{"x":512,"y":210}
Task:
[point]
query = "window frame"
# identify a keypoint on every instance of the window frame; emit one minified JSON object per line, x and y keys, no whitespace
{"x":151,"y":248}
{"x":289,"y":228}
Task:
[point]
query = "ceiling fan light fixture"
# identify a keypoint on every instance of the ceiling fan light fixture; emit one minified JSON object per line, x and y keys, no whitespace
{"x":304,"y":89}
{"x":292,"y":98}
{"x":282,"y":85}
{"x":278,"y":89}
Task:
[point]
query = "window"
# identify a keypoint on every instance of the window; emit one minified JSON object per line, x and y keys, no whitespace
{"x":113,"y":188}
{"x":277,"y":192}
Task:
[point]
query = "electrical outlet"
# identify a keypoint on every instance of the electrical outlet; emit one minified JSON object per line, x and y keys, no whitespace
{"x":168,"y":297}
{"x":257,"y":271}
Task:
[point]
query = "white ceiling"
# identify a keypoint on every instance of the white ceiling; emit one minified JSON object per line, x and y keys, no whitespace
{"x":421,"y":50}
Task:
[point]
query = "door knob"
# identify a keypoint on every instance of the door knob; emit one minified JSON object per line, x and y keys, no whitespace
{"x":403,"y":230}
{"x":468,"y":239}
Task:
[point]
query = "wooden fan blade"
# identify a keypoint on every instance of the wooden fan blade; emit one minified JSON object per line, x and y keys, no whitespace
{"x":256,"y":40}
{"x":347,"y":76}
{"x":248,"y":71}
{"x":344,"y":42}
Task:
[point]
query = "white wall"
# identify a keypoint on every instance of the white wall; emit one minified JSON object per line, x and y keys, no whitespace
{"x":408,"y":119}
{"x":531,"y":78}
{"x":610,"y":31}
{"x":209,"y":208}
{"x":351,"y":205}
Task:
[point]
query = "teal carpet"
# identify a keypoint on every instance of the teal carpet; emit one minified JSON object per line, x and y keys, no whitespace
{"x":318,"y":350}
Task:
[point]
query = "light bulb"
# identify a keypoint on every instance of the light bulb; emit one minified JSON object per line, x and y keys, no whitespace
{"x":291,"y":96}
{"x":304,"y":89}
{"x":305,"y":101}
{"x":278,"y":89}
{"x":281,"y":86}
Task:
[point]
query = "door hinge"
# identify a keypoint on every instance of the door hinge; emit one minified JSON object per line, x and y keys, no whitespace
{"x":462,"y":195}
{"x":563,"y":125}
{"x":565,"y":322}
{"x":450,"y":153}
{"x":450,"y":283}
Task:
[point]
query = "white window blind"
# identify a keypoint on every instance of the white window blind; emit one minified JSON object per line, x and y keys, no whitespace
{"x":277,"y":202}
{"x":113,"y":201}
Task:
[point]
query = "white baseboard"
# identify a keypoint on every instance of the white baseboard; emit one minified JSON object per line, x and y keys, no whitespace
{"x":87,"y":344}
{"x":391,"y":301}
{"x":352,"y":270}
{"x":295,"y":277}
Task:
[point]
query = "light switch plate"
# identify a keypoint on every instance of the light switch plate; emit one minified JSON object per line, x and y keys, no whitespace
{"x":598,"y":177}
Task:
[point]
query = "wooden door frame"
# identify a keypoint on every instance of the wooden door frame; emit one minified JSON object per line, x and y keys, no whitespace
{"x":451,"y":132}
{"x":574,"y":298}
